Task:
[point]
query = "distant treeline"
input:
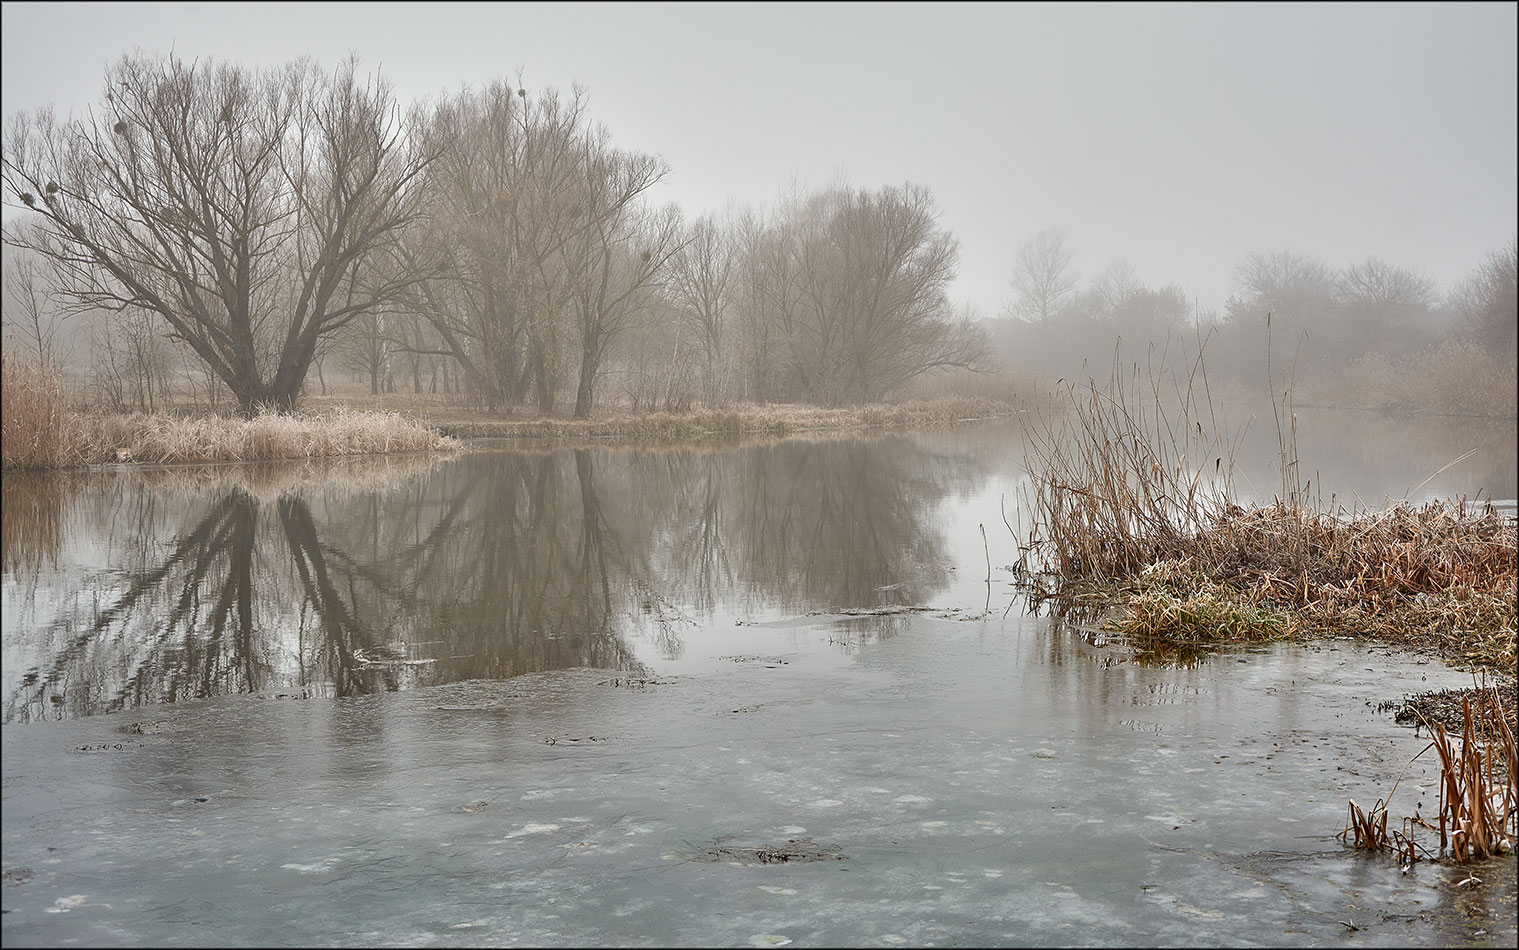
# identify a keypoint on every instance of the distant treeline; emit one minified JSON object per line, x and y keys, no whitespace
{"x":1370,"y":334}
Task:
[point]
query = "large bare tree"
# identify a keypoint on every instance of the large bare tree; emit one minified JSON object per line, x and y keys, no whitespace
{"x":850,"y":288}
{"x":615,"y":254}
{"x":253,"y":212}
{"x":545,"y":231}
{"x":702,"y":279}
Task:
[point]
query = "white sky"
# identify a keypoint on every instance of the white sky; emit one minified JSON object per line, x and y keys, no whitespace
{"x":1181,"y":137}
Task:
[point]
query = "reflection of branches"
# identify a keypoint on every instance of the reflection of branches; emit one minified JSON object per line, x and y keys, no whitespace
{"x":162,"y":642}
{"x":864,"y":505}
{"x":495,"y":564}
{"x":344,"y":633}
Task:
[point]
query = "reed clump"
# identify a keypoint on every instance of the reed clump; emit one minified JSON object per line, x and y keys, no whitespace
{"x":1133,"y":500}
{"x":35,"y":424}
{"x":1477,"y":813}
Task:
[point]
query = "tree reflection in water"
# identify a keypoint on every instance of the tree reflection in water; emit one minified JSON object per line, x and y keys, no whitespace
{"x":491,"y":565}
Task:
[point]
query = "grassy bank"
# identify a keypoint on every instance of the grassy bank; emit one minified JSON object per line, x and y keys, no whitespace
{"x":39,"y":432}
{"x":731,"y":421}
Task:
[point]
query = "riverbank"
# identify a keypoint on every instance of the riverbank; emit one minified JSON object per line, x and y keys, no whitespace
{"x":748,"y":419}
{"x":65,"y":439}
{"x":72,"y":440}
{"x":43,"y":431}
{"x":1437,"y":578}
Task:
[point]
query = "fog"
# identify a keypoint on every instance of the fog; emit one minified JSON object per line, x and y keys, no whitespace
{"x":1180,"y":137}
{"x":1176,"y":150}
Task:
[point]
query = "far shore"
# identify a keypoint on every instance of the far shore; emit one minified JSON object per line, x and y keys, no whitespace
{"x":740,"y":420}
{"x":64,"y":439}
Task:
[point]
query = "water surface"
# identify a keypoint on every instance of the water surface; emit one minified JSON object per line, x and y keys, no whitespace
{"x":779,"y":691}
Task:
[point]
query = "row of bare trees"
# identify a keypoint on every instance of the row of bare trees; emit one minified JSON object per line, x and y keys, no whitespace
{"x":1322,"y":317}
{"x":263,"y":219}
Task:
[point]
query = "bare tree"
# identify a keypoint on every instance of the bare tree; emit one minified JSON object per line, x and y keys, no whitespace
{"x":701,"y":284}
{"x":1113,"y":288}
{"x":1294,"y":288}
{"x":539,"y":215}
{"x":365,"y":346}
{"x":1487,"y":298}
{"x":616,"y":254}
{"x":247,"y":210}
{"x":31,"y":318}
{"x":768,"y":295}
{"x":1384,"y":307}
{"x":1042,"y":279}
{"x":850,"y":287}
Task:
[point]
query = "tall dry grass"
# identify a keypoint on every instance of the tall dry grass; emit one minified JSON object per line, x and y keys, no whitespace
{"x":35,"y":424}
{"x":41,"y":433}
{"x":1132,"y":488}
{"x":1127,"y":475}
{"x":265,"y":437}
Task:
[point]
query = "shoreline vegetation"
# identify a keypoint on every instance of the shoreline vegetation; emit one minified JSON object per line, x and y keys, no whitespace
{"x":1137,"y":530}
{"x":42,"y":432}
{"x":1137,"y":535}
{"x":736,"y":420}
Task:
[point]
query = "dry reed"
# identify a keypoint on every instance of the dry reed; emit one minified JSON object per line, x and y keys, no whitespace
{"x":1478,"y":808}
{"x":94,"y":439}
{"x":35,"y":425}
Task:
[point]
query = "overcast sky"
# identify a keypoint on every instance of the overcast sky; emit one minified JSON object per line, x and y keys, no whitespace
{"x":1181,"y":137}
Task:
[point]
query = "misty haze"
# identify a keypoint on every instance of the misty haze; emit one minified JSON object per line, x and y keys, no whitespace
{"x":716,"y":475}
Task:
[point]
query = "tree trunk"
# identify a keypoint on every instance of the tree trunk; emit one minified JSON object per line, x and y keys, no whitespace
{"x":583,"y":391}
{"x":544,"y":386}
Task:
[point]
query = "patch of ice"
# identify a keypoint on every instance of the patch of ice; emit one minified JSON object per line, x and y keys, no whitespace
{"x":63,"y":905}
